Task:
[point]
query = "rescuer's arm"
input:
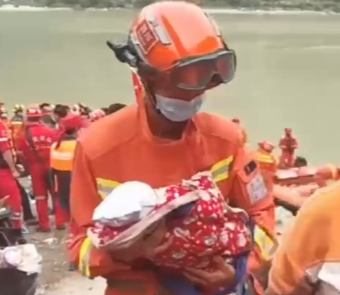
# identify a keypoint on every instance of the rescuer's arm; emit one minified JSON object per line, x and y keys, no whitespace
{"x":301,"y":253}
{"x":84,"y":199}
{"x":8,"y":157}
{"x":248,"y":191}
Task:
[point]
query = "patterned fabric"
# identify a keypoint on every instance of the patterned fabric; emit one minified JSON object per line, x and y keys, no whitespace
{"x":210,"y":228}
{"x":200,"y":228}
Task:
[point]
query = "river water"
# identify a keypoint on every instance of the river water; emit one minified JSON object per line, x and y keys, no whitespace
{"x":288,"y":69}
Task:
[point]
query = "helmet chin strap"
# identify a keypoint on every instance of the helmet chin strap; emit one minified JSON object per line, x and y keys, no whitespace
{"x":151,"y":97}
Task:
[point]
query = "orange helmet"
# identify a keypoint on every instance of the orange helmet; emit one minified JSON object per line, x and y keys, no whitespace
{"x":267,"y":146}
{"x":33,"y":112}
{"x":179,"y":44}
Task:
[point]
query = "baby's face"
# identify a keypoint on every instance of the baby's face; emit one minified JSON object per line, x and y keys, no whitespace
{"x":154,"y":235}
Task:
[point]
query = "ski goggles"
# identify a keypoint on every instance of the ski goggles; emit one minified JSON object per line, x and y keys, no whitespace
{"x":200,"y":73}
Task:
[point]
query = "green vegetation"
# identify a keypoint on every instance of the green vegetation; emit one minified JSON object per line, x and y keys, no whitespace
{"x":316,"y":5}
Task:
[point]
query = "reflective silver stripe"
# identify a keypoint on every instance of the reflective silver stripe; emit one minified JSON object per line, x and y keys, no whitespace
{"x":16,"y":216}
{"x":3,"y":139}
{"x":40,"y":198}
{"x":67,"y":156}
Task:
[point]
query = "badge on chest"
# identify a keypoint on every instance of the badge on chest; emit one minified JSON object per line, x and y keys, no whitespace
{"x":256,"y":189}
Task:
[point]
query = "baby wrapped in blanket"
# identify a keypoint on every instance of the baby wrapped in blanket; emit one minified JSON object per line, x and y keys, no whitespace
{"x":198,"y":222}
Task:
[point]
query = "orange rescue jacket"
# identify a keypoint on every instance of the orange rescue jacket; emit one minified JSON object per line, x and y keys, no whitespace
{"x":307,"y":261}
{"x":108,"y":155}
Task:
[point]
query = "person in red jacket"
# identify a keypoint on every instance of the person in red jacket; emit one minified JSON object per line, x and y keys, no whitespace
{"x":179,"y":54}
{"x":35,"y":145}
{"x":288,"y":144}
{"x":8,"y":175}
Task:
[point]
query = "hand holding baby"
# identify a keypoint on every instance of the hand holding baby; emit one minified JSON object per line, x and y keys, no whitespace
{"x":223,"y":276}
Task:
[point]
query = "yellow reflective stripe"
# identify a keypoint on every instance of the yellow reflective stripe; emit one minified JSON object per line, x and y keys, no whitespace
{"x":266,"y":244}
{"x":220,"y":171}
{"x":84,"y":257}
{"x":264,"y":158}
{"x":105,"y":186}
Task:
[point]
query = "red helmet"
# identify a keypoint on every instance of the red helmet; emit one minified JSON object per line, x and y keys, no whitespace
{"x":71,"y":122}
{"x":33,"y":112}
{"x":267,"y":146}
{"x":177,"y":45}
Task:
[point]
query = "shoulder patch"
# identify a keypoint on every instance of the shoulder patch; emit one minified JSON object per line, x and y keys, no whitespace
{"x":250,"y":167}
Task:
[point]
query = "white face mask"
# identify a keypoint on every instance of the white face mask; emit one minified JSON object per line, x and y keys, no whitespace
{"x":177,"y":110}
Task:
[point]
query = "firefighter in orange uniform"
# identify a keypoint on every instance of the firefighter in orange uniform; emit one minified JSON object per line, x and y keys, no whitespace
{"x":35,"y":145}
{"x":266,"y":159}
{"x":288,"y":144}
{"x":165,"y":140}
{"x":8,"y":173}
{"x":307,"y":261}
{"x":62,"y":153}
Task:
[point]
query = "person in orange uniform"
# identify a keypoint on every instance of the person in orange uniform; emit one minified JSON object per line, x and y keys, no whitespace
{"x":62,"y":153}
{"x":308,"y":259}
{"x":243,"y":132}
{"x":35,"y":145}
{"x":165,"y":140}
{"x":266,"y":159}
{"x":138,"y":86}
{"x":16,"y":123}
{"x":288,"y":144}
{"x":8,"y":175}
